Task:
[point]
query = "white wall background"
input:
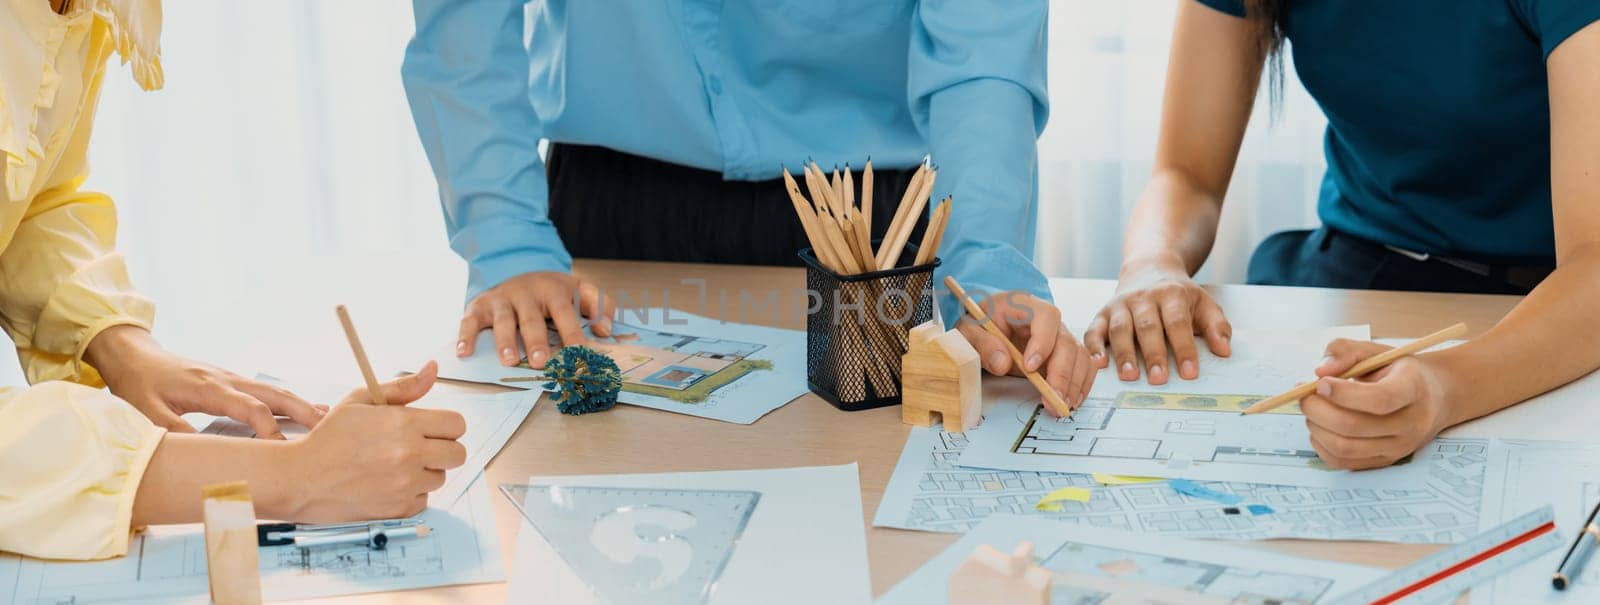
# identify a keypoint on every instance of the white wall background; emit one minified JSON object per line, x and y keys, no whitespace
{"x":279,"y":172}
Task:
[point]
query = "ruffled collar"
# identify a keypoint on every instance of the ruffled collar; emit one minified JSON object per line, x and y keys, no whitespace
{"x":31,"y":37}
{"x":136,"y":28}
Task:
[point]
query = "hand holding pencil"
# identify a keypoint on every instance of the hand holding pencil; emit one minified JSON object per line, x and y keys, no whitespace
{"x":1373,"y":405}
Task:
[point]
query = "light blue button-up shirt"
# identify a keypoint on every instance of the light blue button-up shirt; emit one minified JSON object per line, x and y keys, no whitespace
{"x":738,"y":87}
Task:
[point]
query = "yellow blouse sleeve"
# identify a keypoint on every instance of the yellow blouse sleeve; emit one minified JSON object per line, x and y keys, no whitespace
{"x":71,"y":459}
{"x":62,"y":282}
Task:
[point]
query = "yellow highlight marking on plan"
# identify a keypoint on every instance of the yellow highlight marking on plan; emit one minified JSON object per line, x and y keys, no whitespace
{"x":1105,"y":479}
{"x":1231,"y":404}
{"x":1051,"y":503}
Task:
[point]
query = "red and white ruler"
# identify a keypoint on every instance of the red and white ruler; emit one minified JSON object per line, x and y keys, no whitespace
{"x":1445,"y":574}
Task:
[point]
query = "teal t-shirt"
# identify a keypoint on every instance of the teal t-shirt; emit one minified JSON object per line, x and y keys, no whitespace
{"x":1438,"y":118}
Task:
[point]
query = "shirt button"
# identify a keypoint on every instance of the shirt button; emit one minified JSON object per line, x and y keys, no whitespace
{"x":716,"y":85}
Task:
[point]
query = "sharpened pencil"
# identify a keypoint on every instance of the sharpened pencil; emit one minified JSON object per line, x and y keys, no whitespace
{"x":1052,"y":400}
{"x":373,"y":388}
{"x":1367,"y":366}
{"x":896,"y":243}
{"x":866,"y":199}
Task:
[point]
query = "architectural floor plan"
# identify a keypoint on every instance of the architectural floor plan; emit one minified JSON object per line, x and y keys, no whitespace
{"x":168,"y":565}
{"x":1209,"y":576}
{"x":1222,"y":572}
{"x":1167,"y":434}
{"x":686,"y":364}
{"x":680,"y":367}
{"x":930,"y":492}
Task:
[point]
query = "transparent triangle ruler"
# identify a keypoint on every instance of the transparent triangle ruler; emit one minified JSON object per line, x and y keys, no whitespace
{"x":639,"y":545}
{"x":1445,"y":574}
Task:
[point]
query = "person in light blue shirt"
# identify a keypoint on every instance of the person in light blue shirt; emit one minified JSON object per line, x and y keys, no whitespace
{"x":669,"y":120}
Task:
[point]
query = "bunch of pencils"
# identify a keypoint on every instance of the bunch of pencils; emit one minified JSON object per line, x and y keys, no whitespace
{"x":840,"y":234}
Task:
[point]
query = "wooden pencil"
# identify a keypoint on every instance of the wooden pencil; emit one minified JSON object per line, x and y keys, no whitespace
{"x":817,"y":186}
{"x":938,"y":235}
{"x":866,"y":198}
{"x":1051,"y":399}
{"x":849,"y":195}
{"x":373,"y":388}
{"x":808,"y":222}
{"x":897,"y":243}
{"x":928,"y":248}
{"x":835,"y":235}
{"x":837,"y":187}
{"x":1367,"y":366}
{"x":852,"y":239}
{"x":913,"y":187}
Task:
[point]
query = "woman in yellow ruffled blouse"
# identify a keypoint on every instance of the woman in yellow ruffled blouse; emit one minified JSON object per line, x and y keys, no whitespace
{"x":80,"y":467}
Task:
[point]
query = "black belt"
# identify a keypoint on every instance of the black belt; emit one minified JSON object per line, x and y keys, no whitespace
{"x":1521,"y":276}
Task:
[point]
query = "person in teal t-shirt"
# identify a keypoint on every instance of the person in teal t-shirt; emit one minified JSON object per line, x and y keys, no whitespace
{"x":1463,"y":150}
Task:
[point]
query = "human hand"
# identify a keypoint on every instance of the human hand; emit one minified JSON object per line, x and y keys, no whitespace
{"x":523,"y":303}
{"x":1157,"y":303}
{"x":1034,"y":326}
{"x":367,"y":461}
{"x":1377,"y":419}
{"x":164,"y":386}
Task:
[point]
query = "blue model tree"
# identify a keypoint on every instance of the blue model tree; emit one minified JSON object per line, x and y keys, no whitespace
{"x":584,"y":380}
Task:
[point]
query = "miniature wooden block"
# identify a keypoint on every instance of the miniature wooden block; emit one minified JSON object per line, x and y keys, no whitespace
{"x":940,"y":378}
{"x":989,"y":576}
{"x":233,"y":560}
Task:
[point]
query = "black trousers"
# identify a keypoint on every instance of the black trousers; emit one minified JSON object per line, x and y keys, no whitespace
{"x":1327,"y":258}
{"x":614,"y":205}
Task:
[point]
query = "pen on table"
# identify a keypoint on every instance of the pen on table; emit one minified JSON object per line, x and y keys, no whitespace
{"x":1367,"y":366}
{"x":375,"y":535}
{"x":1051,"y":398}
{"x":1578,"y":554}
{"x":373,"y":387}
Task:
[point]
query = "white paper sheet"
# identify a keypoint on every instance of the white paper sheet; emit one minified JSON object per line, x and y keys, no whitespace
{"x":167,"y":564}
{"x":700,"y":348}
{"x":1206,"y":568}
{"x":491,"y":420}
{"x":1523,"y":476}
{"x":1263,"y":363}
{"x":804,"y":542}
{"x":929,"y":492}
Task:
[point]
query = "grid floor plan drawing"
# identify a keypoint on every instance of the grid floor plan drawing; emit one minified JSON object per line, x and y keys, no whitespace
{"x":1233,"y":584}
{"x":681,"y":367}
{"x":929,"y":491}
{"x":1167,"y":426}
{"x":1168,"y":435}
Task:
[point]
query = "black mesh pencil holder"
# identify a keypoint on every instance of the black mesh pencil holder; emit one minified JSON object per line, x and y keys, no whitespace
{"x":857,"y":326}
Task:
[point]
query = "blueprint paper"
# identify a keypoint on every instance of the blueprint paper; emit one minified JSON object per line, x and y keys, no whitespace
{"x":1523,"y":476}
{"x":1263,"y":362}
{"x":1230,"y":573}
{"x":674,"y":361}
{"x":167,"y":564}
{"x":803,"y":543}
{"x":929,"y":492}
{"x":491,"y":419}
{"x":1163,"y":434}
